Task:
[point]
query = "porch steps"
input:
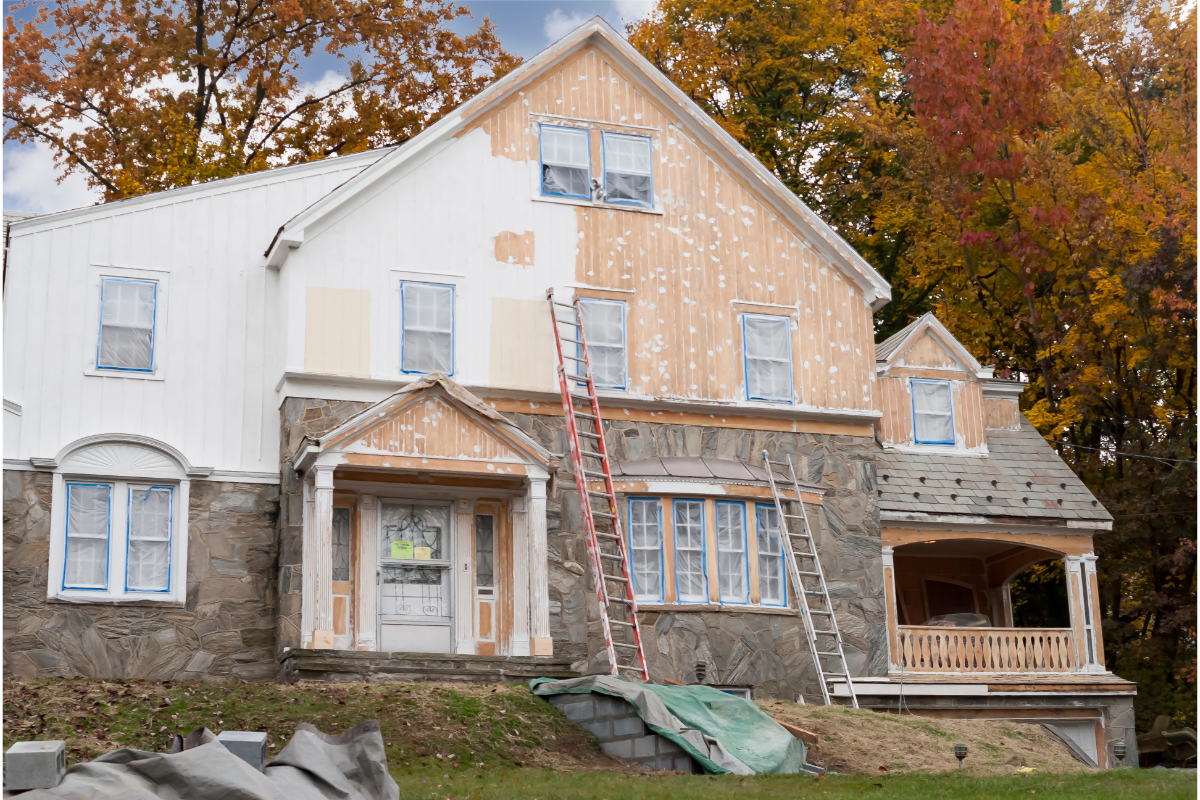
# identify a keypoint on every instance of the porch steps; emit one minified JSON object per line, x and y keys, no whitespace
{"x":606,"y":544}
{"x":354,"y":666}
{"x":808,"y":579}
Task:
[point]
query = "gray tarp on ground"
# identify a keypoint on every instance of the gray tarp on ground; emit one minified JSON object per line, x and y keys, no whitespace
{"x":313,"y":766}
{"x":722,"y":732}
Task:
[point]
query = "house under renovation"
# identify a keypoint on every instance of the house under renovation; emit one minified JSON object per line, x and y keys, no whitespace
{"x":308,"y":424}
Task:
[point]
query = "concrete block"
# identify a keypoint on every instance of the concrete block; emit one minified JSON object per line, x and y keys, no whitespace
{"x":578,"y":710}
{"x":249,"y":746}
{"x":667,"y":747}
{"x":35,"y":765}
{"x":602,"y":728}
{"x":622,"y":748}
{"x":611,"y":706}
{"x":645,"y":746}
{"x":628,"y":726}
{"x":685,"y":764}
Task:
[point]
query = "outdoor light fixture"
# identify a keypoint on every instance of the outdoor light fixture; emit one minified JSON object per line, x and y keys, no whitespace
{"x":1119,"y":752}
{"x":701,"y":671}
{"x":960,"y":752}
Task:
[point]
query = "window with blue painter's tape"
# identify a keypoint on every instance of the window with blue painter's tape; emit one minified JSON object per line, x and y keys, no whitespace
{"x":566,"y":162}
{"x":645,"y":548}
{"x":89,"y":517}
{"x":627,"y":173}
{"x":127,"y":312}
{"x":772,"y":586}
{"x":767,"y":349}
{"x":148,"y":553}
{"x":691,"y":585}
{"x":933,"y":412}
{"x":604,"y":332}
{"x":427,"y":322}
{"x":732,"y":567}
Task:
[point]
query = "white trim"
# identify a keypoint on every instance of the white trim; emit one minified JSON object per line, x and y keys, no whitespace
{"x":930,"y":322}
{"x":127,"y":439}
{"x":971,"y":522}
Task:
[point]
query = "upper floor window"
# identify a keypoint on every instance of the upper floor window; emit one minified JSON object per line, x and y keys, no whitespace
{"x":933,"y":413}
{"x":427,"y":321}
{"x":767,"y":344}
{"x":122,"y":528}
{"x":566,"y":162}
{"x":604,"y":332}
{"x":645,"y":548}
{"x":127,"y":310}
{"x":627,"y":173}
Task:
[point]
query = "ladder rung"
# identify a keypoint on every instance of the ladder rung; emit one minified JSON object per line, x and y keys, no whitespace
{"x":616,"y":578}
{"x":581,"y":397}
{"x":822,"y":613}
{"x":592,"y":454}
{"x":839,"y":655}
{"x":622,"y":624}
{"x":581,"y":414}
{"x":572,"y":341}
{"x":589,"y":435}
{"x":600,"y":475}
{"x":579,"y":378}
{"x":610,"y":555}
{"x":810,"y":591}
{"x":792,"y":516}
{"x":809,"y":574}
{"x":573,"y":358}
{"x":619,"y":600}
{"x":835,"y":674}
{"x":604,"y":514}
{"x":607,"y":535}
{"x":629,"y":646}
{"x":629,"y":666}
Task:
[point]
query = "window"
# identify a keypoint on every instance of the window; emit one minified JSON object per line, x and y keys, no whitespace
{"x":731,"y":552}
{"x":604,"y":332}
{"x":627,"y":175}
{"x":127,"y":309}
{"x":772,"y":588}
{"x":933,"y":416}
{"x":566,"y":162}
{"x":766,"y":342}
{"x":341,"y":544}
{"x":484,"y":551}
{"x":148,"y":557}
{"x":95,"y":527}
{"x":690,"y":585}
{"x":88,"y":524}
{"x":645,"y":548}
{"x":427,"y":319}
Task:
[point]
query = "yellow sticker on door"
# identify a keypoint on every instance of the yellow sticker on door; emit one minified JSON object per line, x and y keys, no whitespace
{"x":422,"y":553}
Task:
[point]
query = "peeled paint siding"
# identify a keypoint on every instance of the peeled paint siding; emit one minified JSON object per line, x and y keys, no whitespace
{"x":715,"y":243}
{"x":216,"y":402}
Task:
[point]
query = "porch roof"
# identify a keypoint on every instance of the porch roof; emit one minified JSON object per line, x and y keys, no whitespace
{"x":704,"y":469}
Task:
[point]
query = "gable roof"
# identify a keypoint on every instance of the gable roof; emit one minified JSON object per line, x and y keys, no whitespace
{"x":898,"y":343}
{"x":596,"y":33}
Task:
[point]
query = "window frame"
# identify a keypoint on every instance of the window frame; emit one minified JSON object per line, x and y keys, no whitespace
{"x":604,"y":136}
{"x":745,"y":552}
{"x":153,"y":327}
{"x":705,"y":597}
{"x":542,"y":164}
{"x":791,"y":382}
{"x":624,"y":385}
{"x":783,"y":570}
{"x":111,"y":486}
{"x":912,"y":396}
{"x":658,"y":504}
{"x":129,"y":538}
{"x":453,"y":325}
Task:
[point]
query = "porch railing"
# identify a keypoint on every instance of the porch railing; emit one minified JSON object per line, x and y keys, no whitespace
{"x":933,"y":649}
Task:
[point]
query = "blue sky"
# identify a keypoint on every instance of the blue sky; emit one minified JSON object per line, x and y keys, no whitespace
{"x":524,"y":27}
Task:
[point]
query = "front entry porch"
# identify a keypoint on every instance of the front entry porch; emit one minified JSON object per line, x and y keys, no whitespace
{"x":352,"y":666}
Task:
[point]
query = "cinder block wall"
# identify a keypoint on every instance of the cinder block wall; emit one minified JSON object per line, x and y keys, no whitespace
{"x":622,"y":733}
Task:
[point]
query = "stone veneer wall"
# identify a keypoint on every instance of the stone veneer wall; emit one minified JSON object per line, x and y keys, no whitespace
{"x":746,"y":647}
{"x":298,"y":417}
{"x":225,"y":629}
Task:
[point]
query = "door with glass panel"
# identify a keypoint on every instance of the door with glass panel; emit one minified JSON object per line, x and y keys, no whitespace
{"x":343,"y":623}
{"x":486,"y":591}
{"x":415,"y":596}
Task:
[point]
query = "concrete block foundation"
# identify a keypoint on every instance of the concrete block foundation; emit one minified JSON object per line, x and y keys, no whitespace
{"x":622,"y":733}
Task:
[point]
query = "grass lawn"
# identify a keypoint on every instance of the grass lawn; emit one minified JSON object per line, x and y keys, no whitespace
{"x":473,"y":742}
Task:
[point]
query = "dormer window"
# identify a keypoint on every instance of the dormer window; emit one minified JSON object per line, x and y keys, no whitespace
{"x":933,"y":413}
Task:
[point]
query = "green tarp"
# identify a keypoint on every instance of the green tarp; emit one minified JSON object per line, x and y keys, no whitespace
{"x":722,"y":732}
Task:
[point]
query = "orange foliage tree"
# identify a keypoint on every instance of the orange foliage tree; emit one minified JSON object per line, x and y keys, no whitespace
{"x":146,"y":96}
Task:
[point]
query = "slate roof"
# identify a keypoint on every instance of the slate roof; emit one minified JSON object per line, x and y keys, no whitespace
{"x":1030,"y":480}
{"x":710,"y":469}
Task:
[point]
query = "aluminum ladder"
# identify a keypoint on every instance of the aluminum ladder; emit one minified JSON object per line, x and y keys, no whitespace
{"x":607,"y":550}
{"x":804,"y":565}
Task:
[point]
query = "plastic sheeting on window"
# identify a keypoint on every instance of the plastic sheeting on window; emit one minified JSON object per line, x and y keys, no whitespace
{"x":768,"y":360}
{"x":770,"y":557}
{"x":933,"y":417}
{"x":341,"y":544}
{"x":428,"y":328}
{"x":148,"y":567}
{"x":604,"y":331}
{"x":127,"y":324}
{"x":731,"y":553}
{"x":689,"y":551}
{"x":485,"y":550}
{"x":645,"y":551}
{"x":87,"y":536}
{"x":566,"y":165}
{"x":627,"y":176}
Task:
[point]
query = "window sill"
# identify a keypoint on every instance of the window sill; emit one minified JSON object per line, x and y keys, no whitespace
{"x":109,"y":600}
{"x":578,"y":201}
{"x":782,"y":611}
{"x":157,"y":375}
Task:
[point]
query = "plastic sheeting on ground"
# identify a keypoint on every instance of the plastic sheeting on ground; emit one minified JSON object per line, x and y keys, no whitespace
{"x":722,"y":732}
{"x":313,"y":766}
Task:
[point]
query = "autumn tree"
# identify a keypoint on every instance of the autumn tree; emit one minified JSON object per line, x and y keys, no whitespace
{"x":141,"y":96}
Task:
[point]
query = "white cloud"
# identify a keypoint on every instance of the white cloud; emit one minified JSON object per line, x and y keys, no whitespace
{"x":557,"y":24}
{"x":632,"y":10}
{"x":30,"y":182}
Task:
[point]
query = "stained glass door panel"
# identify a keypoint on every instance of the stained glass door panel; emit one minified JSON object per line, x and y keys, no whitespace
{"x":415,"y":607}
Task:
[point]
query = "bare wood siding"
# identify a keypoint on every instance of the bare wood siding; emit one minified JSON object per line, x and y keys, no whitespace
{"x":928,"y":352}
{"x":514,"y":248}
{"x":717,"y":241}
{"x":896,"y":425}
{"x":1001,"y":413}
{"x":436,"y":429}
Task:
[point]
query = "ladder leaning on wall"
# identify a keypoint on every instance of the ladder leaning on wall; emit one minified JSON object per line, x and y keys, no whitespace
{"x":607,"y":550}
{"x":804,"y":565}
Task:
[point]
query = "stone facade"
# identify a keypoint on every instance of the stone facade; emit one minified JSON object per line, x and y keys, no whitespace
{"x":224,"y":630}
{"x":765,"y":650}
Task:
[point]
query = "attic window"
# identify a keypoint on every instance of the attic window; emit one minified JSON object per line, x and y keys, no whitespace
{"x":933,"y":415}
{"x":566,"y":162}
{"x":627,"y":177}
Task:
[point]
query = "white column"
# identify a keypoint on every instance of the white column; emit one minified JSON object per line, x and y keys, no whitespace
{"x":891,"y":609}
{"x":464,"y":580}
{"x":318,"y":559}
{"x":366,"y":582}
{"x":1080,"y":602}
{"x":308,"y":585}
{"x":520,"y":579}
{"x":540,"y":643}
{"x":1090,"y":596}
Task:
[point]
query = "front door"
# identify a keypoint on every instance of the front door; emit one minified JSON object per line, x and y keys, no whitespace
{"x":485,"y":580}
{"x":415,"y":598}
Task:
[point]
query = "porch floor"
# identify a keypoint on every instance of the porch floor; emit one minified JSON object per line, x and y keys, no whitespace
{"x":354,"y":666}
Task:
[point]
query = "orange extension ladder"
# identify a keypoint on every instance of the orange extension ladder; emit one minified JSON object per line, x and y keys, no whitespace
{"x":607,"y":549}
